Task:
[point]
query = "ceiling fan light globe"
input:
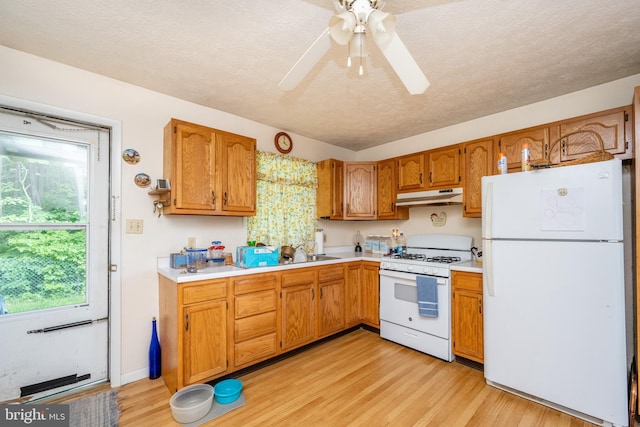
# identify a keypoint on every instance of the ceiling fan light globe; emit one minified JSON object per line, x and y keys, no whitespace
{"x":382,"y":26}
{"x":341,"y":27}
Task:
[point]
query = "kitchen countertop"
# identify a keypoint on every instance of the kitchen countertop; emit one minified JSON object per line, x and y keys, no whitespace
{"x":468,"y":266}
{"x":180,"y":275}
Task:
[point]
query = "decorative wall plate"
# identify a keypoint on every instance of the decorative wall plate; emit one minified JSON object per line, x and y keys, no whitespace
{"x":142,"y":180}
{"x":131,"y":156}
{"x":439,"y":220}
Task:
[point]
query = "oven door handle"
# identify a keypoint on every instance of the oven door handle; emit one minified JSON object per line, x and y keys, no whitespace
{"x":411,"y":277}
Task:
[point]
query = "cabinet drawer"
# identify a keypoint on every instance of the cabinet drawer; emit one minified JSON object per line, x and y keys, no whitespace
{"x":255,"y":349}
{"x":254,"y":326}
{"x":204,"y":291}
{"x":259,"y":282}
{"x":298,"y":277}
{"x":466,"y":280}
{"x":331,"y":273}
{"x":255,"y":303}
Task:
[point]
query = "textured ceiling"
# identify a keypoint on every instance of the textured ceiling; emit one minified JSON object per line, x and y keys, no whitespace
{"x":481,"y":57}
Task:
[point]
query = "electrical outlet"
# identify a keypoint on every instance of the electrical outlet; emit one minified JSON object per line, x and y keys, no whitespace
{"x":134,"y":226}
{"x":191,"y":243}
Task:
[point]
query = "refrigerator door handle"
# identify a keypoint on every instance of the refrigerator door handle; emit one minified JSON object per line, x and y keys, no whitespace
{"x":487,"y":211}
{"x":488,"y":268}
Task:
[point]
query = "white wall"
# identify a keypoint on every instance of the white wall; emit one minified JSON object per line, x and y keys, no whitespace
{"x":143,"y":114}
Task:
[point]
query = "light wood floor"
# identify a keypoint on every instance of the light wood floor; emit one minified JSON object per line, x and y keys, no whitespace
{"x":358,"y":379}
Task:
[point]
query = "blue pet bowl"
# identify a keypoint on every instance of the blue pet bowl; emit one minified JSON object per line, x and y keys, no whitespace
{"x":227,"y":391}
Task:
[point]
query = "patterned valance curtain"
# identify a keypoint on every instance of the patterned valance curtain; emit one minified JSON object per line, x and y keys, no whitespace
{"x":286,"y":202}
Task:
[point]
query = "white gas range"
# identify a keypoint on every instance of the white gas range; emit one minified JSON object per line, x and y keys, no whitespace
{"x":428,"y":255}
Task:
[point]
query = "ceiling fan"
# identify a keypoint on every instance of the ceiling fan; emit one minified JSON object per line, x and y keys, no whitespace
{"x":348,"y":27}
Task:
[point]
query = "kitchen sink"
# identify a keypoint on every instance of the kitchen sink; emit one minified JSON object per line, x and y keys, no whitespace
{"x":311,"y":258}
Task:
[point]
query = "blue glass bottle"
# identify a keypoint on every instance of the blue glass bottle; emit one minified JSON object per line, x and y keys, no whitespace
{"x":155,"y":362}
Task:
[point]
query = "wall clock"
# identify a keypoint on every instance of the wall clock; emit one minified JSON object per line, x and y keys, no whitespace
{"x":283,"y":142}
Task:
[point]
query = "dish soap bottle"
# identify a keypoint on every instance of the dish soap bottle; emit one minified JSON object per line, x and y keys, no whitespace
{"x":358,"y":248}
{"x":402,"y":244}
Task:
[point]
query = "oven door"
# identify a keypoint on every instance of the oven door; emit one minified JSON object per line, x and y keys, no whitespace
{"x":399,"y":304}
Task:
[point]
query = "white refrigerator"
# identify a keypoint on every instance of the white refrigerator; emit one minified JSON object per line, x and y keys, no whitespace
{"x":554,"y":307}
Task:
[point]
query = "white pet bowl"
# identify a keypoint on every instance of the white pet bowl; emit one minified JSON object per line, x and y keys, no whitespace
{"x":191,"y":403}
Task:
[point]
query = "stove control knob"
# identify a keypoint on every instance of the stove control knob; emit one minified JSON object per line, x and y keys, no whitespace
{"x":410,"y":268}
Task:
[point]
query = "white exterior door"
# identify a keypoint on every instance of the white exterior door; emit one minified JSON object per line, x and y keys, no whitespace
{"x":54,"y":254}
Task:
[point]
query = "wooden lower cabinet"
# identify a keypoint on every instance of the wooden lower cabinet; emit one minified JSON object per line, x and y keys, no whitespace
{"x":205,"y":348}
{"x":211,"y":328}
{"x":255,"y":325}
{"x":331,"y":301}
{"x":193,"y":351}
{"x":298,"y":308}
{"x":353,"y":273}
{"x":370,"y":294}
{"x":467,"y":320}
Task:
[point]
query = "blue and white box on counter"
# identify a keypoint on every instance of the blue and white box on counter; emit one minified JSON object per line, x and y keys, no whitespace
{"x":257,"y":256}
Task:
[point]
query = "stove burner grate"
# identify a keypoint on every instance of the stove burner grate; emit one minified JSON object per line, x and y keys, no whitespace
{"x":417,"y":257}
{"x":444,"y":259}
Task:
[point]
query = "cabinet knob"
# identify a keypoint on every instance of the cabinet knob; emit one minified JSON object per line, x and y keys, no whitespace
{"x":213,"y":197}
{"x":186,"y":322}
{"x":224,"y":199}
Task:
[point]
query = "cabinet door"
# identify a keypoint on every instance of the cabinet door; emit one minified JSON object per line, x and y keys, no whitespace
{"x":612,"y":126}
{"x":352,"y":294}
{"x":190,"y":157}
{"x":444,"y":167}
{"x":330,"y":195}
{"x":411,"y":172}
{"x":331,"y":311}
{"x":478,"y":161}
{"x":237,"y":171}
{"x":370,"y":294}
{"x":298,"y":316}
{"x":467,"y":325}
{"x":205,"y":340}
{"x":511,"y":145}
{"x":360,"y":190}
{"x":386,"y":192}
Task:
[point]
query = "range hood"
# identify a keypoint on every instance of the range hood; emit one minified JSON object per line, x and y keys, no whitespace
{"x":449,"y":196}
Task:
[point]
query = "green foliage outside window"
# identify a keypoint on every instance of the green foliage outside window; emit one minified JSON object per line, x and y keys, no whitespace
{"x":43,"y":240}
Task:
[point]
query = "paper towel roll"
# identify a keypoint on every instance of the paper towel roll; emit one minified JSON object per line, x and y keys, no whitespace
{"x":319,"y":242}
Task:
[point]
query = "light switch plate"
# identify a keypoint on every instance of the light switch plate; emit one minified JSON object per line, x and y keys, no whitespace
{"x":134,"y":226}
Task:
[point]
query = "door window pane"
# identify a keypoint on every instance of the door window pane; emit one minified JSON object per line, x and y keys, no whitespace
{"x":43,"y":220}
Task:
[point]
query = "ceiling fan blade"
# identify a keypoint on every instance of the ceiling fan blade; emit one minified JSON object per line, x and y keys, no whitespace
{"x":306,"y":62}
{"x":403,"y":64}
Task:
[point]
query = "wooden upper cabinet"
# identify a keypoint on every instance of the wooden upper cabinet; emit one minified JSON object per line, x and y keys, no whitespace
{"x":211,"y":172}
{"x":478,"y":160}
{"x":613,"y":126}
{"x":189,"y":163}
{"x":330,"y":196}
{"x":411,"y":172}
{"x":360,"y":190}
{"x":387,"y":192}
{"x":511,"y":144}
{"x":237,"y":171}
{"x":443,"y":165}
